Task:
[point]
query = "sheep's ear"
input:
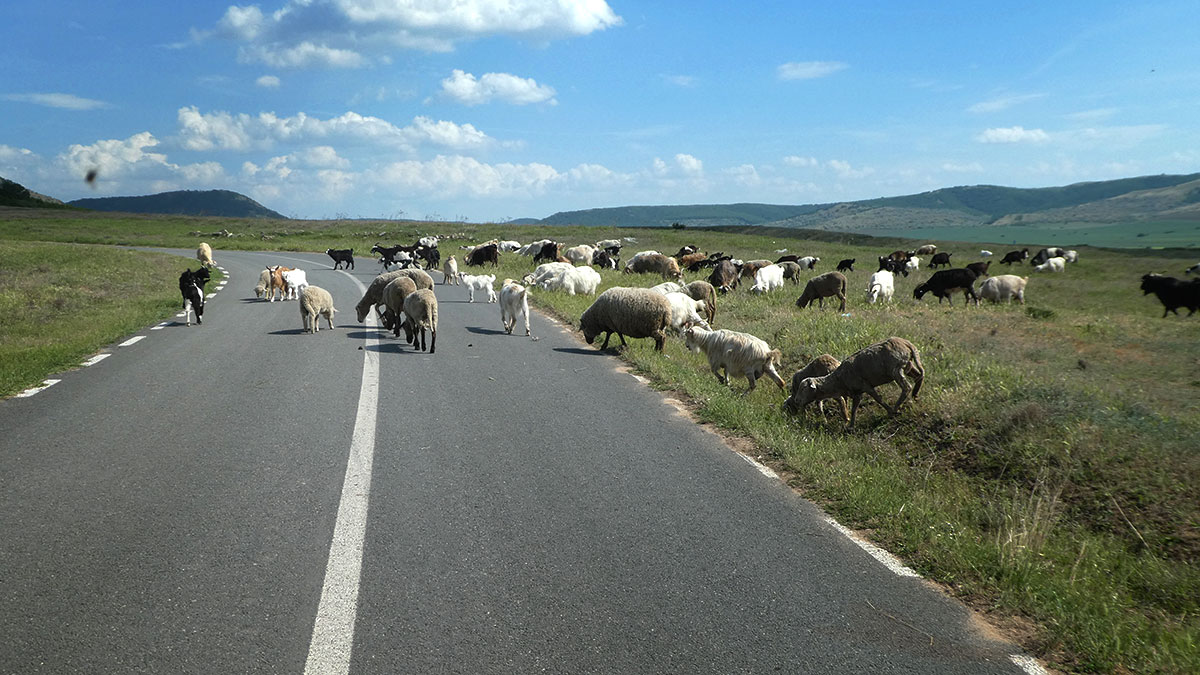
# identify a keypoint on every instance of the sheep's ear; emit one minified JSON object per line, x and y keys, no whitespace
{"x":811,"y":384}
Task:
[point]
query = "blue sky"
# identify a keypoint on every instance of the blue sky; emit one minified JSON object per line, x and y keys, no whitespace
{"x":486,"y":110}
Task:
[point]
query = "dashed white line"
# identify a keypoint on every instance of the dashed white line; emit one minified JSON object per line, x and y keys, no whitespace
{"x":1028,"y":664}
{"x":96,"y":359}
{"x":889,"y":561}
{"x":162,"y":325}
{"x":46,"y":384}
{"x":132,"y":340}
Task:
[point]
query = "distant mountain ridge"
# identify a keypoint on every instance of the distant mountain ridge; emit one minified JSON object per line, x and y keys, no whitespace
{"x":224,"y":203}
{"x":15,"y":194}
{"x":1165,"y":197}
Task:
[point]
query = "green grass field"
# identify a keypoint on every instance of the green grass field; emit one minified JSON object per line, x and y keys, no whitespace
{"x":1048,"y":475}
{"x":1140,"y":235}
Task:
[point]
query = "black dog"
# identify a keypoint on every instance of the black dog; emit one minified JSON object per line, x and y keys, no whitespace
{"x":191,"y":287}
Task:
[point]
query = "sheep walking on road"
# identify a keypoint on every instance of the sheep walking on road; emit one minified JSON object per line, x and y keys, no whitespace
{"x":733,"y":352}
{"x":514,"y":300}
{"x":316,"y":302}
{"x":204,"y":255}
{"x":628,"y":312}
{"x":893,"y":360}
{"x":421,"y":313}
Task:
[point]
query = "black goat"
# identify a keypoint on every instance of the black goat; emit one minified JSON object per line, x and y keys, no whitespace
{"x":939,"y":259}
{"x":1173,"y":293}
{"x":945,"y":282}
{"x":1015,"y":257}
{"x":191,"y":287}
{"x":846,"y":265}
{"x":343,"y":256}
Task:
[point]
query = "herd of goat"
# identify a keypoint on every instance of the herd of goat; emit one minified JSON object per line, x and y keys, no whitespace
{"x":404,"y":301}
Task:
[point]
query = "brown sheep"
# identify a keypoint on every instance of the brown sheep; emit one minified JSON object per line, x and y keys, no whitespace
{"x":880,"y":363}
{"x":656,"y":263}
{"x":751,"y":267}
{"x":791,"y":270}
{"x":818,"y":367}
{"x":702,"y":290}
{"x":823,"y":286}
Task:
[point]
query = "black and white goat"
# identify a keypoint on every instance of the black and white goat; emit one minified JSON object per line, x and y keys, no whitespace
{"x":191,"y":287}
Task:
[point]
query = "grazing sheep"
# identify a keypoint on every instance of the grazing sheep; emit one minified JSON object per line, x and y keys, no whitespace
{"x":545,"y":271}
{"x":316,"y":302}
{"x":685,"y":311}
{"x":473,"y":282}
{"x":913,"y":264}
{"x":888,"y":361}
{"x":881,"y":285}
{"x":926,"y":249}
{"x":702,"y":290}
{"x":654,"y":264}
{"x":733,"y":352}
{"x":818,"y":367}
{"x":264,"y":280}
{"x":450,"y":271}
{"x":945,"y":282}
{"x":1173,"y":293}
{"x":632,"y":312}
{"x":580,"y":255}
{"x":984,"y":253}
{"x":667,"y":287}
{"x":581,"y":280}
{"x":204,"y":255}
{"x":724,"y":276}
{"x":808,"y":262}
{"x":514,"y":300}
{"x":1055,"y":264}
{"x":829,"y":284}
{"x":342,"y":258}
{"x":1071,"y":256}
{"x":1003,"y":288}
{"x":393,"y":298}
{"x":767,"y":279}
{"x":373,"y":297}
{"x":421,"y":313}
{"x":846,"y":265}
{"x":751,"y":268}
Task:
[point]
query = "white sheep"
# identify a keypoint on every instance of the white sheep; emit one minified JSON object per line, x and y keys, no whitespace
{"x":1055,"y":264}
{"x":264,"y":282}
{"x":204,"y":255}
{"x":421,"y":313}
{"x":450,"y":271}
{"x":881,"y":285}
{"x":574,"y":280}
{"x":667,"y":287}
{"x":514,"y":300}
{"x":295,"y":281}
{"x":913,"y":264}
{"x":685,"y":311}
{"x":544,"y":271}
{"x":508,"y":245}
{"x":316,"y":302}
{"x":580,"y":255}
{"x":1003,"y":288}
{"x":533,"y":248}
{"x":984,"y":253}
{"x":1071,"y":256}
{"x":474,"y":282}
{"x":734,"y":352}
{"x":768,"y":279}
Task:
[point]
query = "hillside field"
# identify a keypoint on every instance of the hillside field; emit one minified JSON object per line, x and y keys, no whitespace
{"x":1049,"y":475}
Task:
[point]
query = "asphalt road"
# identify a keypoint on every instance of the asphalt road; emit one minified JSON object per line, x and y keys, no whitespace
{"x":239,"y":497}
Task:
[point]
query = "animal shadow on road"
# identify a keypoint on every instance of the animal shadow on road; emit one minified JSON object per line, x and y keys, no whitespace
{"x":290,"y":331}
{"x":484,"y":331}
{"x":587,"y":351}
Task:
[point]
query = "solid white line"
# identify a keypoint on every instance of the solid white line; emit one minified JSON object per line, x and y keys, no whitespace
{"x":762,"y":468}
{"x":132,"y":340}
{"x":889,"y":561}
{"x":1028,"y":664}
{"x":333,"y":630}
{"x":46,"y":384}
{"x":96,"y":359}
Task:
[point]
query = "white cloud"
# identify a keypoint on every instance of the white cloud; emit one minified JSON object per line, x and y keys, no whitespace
{"x":1003,"y":103}
{"x":268,"y":82}
{"x":798,"y":161}
{"x":845,"y":170}
{"x":351,"y":33}
{"x":132,"y":165}
{"x":243,"y":132}
{"x":457,"y":176}
{"x":1013,"y":135}
{"x":62,"y":101}
{"x":467,"y":89}
{"x":808,"y":70}
{"x":745,"y":175}
{"x":1094,"y":115}
{"x":689,"y":165}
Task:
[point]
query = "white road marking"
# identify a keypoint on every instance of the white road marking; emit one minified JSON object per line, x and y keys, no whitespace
{"x":762,"y":468}
{"x":333,"y":630}
{"x":889,"y":561}
{"x":1028,"y":664}
{"x":46,"y":384}
{"x":163,"y":324}
{"x":134,"y":339}
{"x":96,"y":359}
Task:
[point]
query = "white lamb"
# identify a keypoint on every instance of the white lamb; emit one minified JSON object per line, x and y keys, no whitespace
{"x":316,"y":302}
{"x":734,"y":352}
{"x":295,"y":280}
{"x":686,"y":311}
{"x":913,"y":264}
{"x":264,"y":282}
{"x":881,"y":285}
{"x":767,"y":279}
{"x":1055,"y":264}
{"x":514,"y":300}
{"x":573,"y":280}
{"x":450,"y":271}
{"x":474,"y":282}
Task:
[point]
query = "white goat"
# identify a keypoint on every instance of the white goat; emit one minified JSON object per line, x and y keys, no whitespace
{"x":734,"y":352}
{"x":686,"y":311}
{"x":474,"y":282}
{"x":882,"y":285}
{"x":295,"y":281}
{"x":1055,"y":264}
{"x":574,"y":280}
{"x":768,"y":279}
{"x":514,"y":300}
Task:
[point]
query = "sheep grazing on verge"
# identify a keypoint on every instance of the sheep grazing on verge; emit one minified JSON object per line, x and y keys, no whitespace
{"x":654,"y":264}
{"x":685,"y":311}
{"x":1003,"y":288}
{"x":628,"y":312}
{"x":450,"y":271}
{"x":1055,"y":264}
{"x":1173,"y":293}
{"x":893,"y":360}
{"x":393,"y":298}
{"x":829,"y":284}
{"x":791,"y":270}
{"x":264,"y":280}
{"x":295,"y":280}
{"x":204,"y":255}
{"x":846,"y":265}
{"x":316,"y":302}
{"x":737,"y":353}
{"x":881,"y":285}
{"x":768,"y":279}
{"x":481,"y":282}
{"x":341,"y":257}
{"x":945,"y":282}
{"x":574,"y":280}
{"x":514,"y":300}
{"x":421,"y":313}
{"x":818,"y":367}
{"x":702,"y":290}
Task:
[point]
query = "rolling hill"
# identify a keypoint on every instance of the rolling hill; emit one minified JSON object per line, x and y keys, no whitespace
{"x":223,"y":203}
